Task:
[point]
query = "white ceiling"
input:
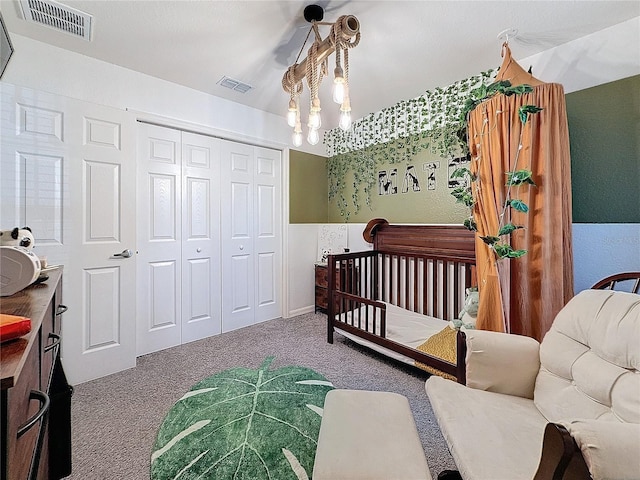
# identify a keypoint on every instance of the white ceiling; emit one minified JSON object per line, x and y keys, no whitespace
{"x":407,"y":47}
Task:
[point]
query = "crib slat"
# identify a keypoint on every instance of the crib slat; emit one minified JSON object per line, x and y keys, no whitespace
{"x":456,"y":286}
{"x":434,"y":293}
{"x":445,"y":290}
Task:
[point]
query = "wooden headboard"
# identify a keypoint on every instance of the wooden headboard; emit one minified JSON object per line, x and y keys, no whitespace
{"x":452,"y":242}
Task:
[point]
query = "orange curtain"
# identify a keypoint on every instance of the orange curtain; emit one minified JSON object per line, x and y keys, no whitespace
{"x":523,"y":295}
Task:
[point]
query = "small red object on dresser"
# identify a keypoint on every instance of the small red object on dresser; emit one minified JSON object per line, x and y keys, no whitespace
{"x":13,"y":326}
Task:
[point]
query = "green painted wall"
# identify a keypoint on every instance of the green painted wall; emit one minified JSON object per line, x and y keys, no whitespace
{"x":604,"y":130}
{"x":308,"y":188}
{"x":433,"y":202}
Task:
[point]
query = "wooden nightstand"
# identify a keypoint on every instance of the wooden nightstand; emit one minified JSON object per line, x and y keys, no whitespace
{"x":322,"y":291}
{"x":322,"y":282}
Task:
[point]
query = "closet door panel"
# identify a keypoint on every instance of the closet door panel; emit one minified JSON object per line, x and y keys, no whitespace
{"x":268,"y":225}
{"x":251,"y":226}
{"x":238,"y":267}
{"x":159,"y":238}
{"x":201,"y":237}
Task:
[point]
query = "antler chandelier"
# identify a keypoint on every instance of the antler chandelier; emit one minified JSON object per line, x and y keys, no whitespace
{"x":344,"y":35}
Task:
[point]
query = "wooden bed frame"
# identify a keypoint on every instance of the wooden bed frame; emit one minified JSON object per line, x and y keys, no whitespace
{"x":425,"y":269}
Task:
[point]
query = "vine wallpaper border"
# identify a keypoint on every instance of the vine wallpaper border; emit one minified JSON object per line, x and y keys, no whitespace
{"x":396,"y":134}
{"x":432,"y":111}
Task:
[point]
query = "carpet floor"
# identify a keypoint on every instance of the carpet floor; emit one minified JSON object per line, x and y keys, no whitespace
{"x":115,"y":419}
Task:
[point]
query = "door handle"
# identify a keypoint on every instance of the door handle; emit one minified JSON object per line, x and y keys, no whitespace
{"x":124,"y":254}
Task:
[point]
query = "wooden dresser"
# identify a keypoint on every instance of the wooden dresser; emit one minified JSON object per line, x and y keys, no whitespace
{"x":26,"y":371}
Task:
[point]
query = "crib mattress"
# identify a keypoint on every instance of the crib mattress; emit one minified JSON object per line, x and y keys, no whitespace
{"x":403,"y":326}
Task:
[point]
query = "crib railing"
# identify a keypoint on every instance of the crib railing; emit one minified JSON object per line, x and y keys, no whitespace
{"x":359,"y":282}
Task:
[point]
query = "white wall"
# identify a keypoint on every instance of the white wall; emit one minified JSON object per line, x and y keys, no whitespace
{"x":51,"y":69}
{"x":602,"y":57}
{"x":604,"y":249}
{"x":303,"y":252}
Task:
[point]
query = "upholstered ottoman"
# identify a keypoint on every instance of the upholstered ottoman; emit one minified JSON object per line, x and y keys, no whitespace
{"x":368,"y":435}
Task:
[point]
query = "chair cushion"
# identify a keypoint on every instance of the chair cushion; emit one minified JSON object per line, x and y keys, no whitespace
{"x":490,"y":435}
{"x":366,"y":435}
{"x":590,"y":359}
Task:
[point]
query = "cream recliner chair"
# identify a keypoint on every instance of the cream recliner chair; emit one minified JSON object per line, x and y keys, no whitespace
{"x":521,"y":397}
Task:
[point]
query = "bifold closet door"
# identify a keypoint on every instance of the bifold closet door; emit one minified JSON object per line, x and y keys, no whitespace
{"x":178,"y":243}
{"x":201,"y":306}
{"x":251,"y":226}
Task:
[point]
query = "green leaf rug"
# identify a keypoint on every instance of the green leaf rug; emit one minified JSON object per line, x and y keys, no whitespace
{"x":243,"y":424}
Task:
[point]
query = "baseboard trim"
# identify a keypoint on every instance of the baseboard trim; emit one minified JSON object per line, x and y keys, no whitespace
{"x":301,"y":311}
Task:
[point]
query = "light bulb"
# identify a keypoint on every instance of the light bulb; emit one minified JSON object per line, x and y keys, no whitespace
{"x":338,"y":90}
{"x":297,"y":139}
{"x":313,"y":138}
{"x":314,"y":120}
{"x":292,"y":114}
{"x":291,"y":118}
{"x":345,"y":120}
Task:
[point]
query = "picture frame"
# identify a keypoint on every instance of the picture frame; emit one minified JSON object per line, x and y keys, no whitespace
{"x":6,"y":48}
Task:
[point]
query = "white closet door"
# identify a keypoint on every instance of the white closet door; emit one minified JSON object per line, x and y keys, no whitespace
{"x":201,"y":237}
{"x":238,"y":258}
{"x":159,"y":238}
{"x":267,"y":227}
{"x":67,"y":172}
{"x":251,"y":233}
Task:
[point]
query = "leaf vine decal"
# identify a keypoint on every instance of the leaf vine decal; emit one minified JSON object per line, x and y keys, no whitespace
{"x":393,"y":135}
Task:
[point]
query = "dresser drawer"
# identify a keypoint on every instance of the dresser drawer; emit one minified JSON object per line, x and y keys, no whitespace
{"x":20,"y":409}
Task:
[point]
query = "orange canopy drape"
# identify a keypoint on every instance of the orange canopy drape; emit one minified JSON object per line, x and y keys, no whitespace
{"x":523,"y":295}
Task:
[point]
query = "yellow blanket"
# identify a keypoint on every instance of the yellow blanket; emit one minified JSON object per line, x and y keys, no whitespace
{"x":441,"y":345}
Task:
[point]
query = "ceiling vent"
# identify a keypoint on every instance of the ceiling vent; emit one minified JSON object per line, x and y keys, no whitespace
{"x":235,"y":85}
{"x":58,"y":16}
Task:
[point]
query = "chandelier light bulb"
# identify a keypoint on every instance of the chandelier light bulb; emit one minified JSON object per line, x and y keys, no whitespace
{"x":345,"y":114}
{"x":292,"y":113}
{"x":313,"y":138}
{"x":314,"y":120}
{"x":297,"y":133}
{"x":345,"y":120}
{"x":297,"y":139}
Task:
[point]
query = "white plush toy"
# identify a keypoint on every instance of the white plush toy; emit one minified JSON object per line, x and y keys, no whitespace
{"x":18,"y":237}
{"x":467,"y":316}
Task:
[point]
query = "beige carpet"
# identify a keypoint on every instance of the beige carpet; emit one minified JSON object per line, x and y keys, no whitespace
{"x":115,"y":419}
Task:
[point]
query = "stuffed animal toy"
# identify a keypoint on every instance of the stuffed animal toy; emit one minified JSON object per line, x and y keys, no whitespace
{"x":18,"y":237}
{"x":467,"y":316}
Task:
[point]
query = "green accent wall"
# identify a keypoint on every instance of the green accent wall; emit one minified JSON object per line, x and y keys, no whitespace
{"x":604,"y":132}
{"x":308,"y":188}
{"x":433,"y":202}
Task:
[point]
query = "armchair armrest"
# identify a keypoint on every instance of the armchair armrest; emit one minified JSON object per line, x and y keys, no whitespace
{"x":501,"y":362}
{"x":609,"y":448}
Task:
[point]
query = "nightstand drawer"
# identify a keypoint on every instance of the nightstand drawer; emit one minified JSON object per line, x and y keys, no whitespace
{"x":322,"y":275}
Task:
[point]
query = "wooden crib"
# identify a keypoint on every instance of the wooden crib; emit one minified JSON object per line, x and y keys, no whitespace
{"x":425,"y":270}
